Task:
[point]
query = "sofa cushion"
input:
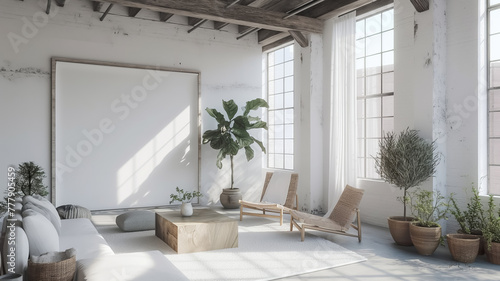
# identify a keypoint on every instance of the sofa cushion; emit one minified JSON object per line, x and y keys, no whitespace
{"x":71,"y":227}
{"x":16,"y":260}
{"x":139,"y":266}
{"x":87,"y":246}
{"x":73,"y":212}
{"x":42,"y":235}
{"x":49,"y":211}
{"x":136,"y":220}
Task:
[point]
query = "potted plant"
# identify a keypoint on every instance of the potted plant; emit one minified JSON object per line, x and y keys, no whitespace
{"x":491,"y":232}
{"x":471,"y":222}
{"x":231,"y":136}
{"x":28,"y":180}
{"x":405,"y":160}
{"x":185,"y":198}
{"x":428,"y":208}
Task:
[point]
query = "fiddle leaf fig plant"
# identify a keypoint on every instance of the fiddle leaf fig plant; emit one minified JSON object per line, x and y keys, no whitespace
{"x":232,"y":133}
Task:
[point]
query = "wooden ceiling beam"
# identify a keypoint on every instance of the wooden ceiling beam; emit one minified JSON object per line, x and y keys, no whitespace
{"x":132,"y":12}
{"x":330,"y":9}
{"x":420,"y":5}
{"x":300,"y":38}
{"x":266,"y":37}
{"x":278,"y":43}
{"x":373,"y":6}
{"x":237,"y":14}
{"x":165,"y":16}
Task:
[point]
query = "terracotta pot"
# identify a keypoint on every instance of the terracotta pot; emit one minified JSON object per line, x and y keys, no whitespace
{"x":479,"y":234}
{"x":425,"y":239}
{"x":463,"y":247}
{"x":400,"y":230}
{"x":230,"y":198}
{"x":493,"y":254}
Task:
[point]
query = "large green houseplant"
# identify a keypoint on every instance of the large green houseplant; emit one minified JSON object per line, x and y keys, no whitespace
{"x":491,"y":232}
{"x":231,"y":136}
{"x":405,"y":160}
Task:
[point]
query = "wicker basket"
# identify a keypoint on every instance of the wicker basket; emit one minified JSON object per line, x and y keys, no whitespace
{"x":58,"y":271}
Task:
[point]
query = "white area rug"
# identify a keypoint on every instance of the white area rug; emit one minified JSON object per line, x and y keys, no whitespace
{"x":266,"y":251}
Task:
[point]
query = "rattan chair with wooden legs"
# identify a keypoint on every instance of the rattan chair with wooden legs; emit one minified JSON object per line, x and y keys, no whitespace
{"x":339,"y":221}
{"x":291,"y":202}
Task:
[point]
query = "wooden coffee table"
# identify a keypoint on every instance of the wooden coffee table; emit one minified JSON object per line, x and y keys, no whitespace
{"x":205,"y":230}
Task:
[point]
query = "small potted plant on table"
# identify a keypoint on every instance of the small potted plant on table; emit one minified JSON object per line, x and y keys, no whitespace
{"x":428,"y":208}
{"x":185,"y":198}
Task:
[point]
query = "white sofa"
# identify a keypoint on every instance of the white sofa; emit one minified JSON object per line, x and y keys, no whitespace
{"x":38,"y":229}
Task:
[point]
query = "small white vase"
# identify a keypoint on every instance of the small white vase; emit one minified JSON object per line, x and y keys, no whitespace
{"x":186,"y":209}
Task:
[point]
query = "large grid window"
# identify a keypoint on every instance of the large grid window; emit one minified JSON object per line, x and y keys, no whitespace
{"x":375,"y":86}
{"x":281,"y":108}
{"x":494,"y":96}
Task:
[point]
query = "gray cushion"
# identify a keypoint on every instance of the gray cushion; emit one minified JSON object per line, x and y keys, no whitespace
{"x":73,"y":212}
{"x":49,"y":211}
{"x":136,"y":220}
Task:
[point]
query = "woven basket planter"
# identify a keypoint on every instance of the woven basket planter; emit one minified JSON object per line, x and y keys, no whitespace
{"x":57,"y":271}
{"x":463,"y":247}
{"x":493,"y":254}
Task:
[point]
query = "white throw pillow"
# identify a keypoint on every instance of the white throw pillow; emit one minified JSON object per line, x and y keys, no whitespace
{"x":50,"y":211}
{"x":17,"y":259}
{"x":41,"y":233}
{"x":277,"y":189}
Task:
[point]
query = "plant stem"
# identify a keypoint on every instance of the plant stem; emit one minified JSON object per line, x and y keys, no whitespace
{"x":404,"y":205}
{"x":232,"y":179}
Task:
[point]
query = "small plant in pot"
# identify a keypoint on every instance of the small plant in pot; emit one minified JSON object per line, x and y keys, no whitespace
{"x":405,"y":160}
{"x":428,"y":208}
{"x":231,"y":136}
{"x":185,"y":198}
{"x":491,"y":232}
{"x":471,"y":221}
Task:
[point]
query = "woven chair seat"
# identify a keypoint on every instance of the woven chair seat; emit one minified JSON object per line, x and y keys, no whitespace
{"x":318,"y":221}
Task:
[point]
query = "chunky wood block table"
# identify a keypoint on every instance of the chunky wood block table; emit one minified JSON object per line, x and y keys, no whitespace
{"x":204,"y":231}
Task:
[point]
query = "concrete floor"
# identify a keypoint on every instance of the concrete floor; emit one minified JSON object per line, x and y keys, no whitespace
{"x":388,"y":261}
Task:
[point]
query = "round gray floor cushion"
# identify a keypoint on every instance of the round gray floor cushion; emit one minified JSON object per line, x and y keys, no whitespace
{"x":73,"y":212}
{"x":136,"y":220}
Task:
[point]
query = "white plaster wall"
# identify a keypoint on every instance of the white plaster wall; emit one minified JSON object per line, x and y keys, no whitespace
{"x":229,"y":68}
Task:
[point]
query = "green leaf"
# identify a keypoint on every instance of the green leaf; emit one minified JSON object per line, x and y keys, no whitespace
{"x":257,"y":125}
{"x":260,"y":144}
{"x":249,"y":153}
{"x":230,"y":107}
{"x":233,"y":147}
{"x":254,"y":105}
{"x":220,"y":157}
{"x":241,"y":122}
{"x":209,"y":135}
{"x":217,"y":115}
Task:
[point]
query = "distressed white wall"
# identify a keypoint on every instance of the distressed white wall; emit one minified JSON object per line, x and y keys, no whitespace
{"x":229,"y":68}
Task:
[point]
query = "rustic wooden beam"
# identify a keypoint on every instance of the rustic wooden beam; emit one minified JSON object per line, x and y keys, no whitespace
{"x":237,"y":14}
{"x":106,"y":12}
{"x":330,"y":9}
{"x":278,"y":43}
{"x":373,"y":6}
{"x":218,"y":25}
{"x":420,"y":5}
{"x":165,"y":16}
{"x":196,"y":24}
{"x":266,"y":37}
{"x":194,"y":21}
{"x":97,"y":6}
{"x":300,"y":38}
{"x":132,"y":12}
{"x":248,"y":32}
{"x":60,"y":3}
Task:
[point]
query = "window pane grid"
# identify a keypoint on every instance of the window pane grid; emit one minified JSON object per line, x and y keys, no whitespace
{"x":375,"y":82}
{"x":280,"y":86}
{"x":493,"y":55}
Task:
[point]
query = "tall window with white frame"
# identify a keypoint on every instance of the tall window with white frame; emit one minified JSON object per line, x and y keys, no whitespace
{"x":375,"y":86}
{"x":280,"y":94}
{"x":493,"y":55}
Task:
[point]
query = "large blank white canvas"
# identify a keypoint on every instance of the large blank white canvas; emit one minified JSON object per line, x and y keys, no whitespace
{"x":124,"y":136}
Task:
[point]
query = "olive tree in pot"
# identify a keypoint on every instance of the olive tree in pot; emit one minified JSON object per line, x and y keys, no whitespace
{"x":491,"y":232}
{"x":231,"y":136}
{"x":405,"y":160}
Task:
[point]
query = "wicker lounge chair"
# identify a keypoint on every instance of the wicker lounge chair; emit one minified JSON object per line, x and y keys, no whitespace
{"x":339,"y":220}
{"x":274,"y":186}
